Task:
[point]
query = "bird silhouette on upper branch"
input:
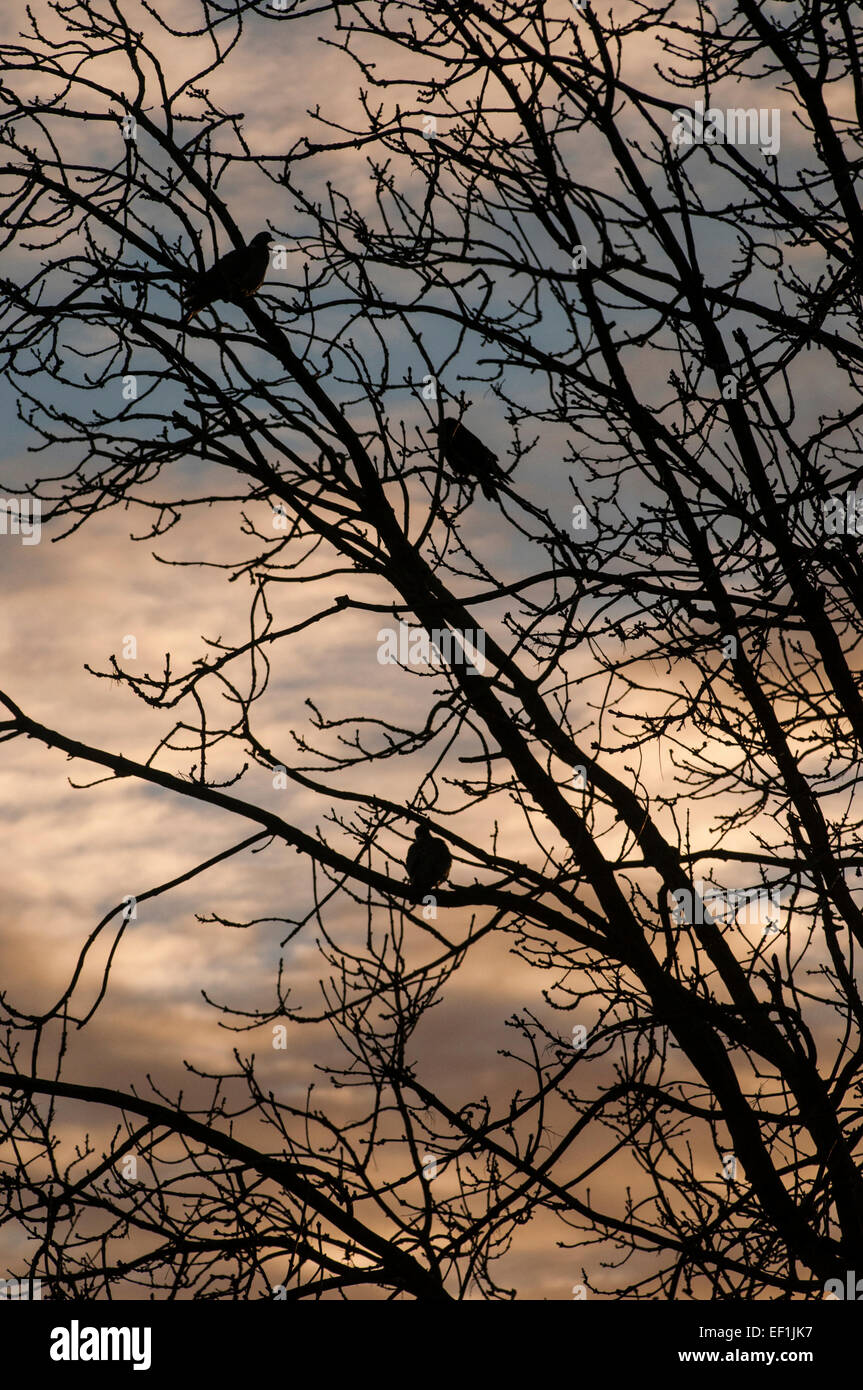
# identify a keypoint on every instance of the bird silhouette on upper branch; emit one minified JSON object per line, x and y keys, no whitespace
{"x":428,"y":861}
{"x":468,"y":457}
{"x":237,"y":275}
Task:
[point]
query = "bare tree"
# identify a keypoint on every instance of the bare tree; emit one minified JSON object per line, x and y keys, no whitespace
{"x":575,"y":223}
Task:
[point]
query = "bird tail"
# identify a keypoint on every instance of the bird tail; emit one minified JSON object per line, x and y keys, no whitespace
{"x":491,"y":485}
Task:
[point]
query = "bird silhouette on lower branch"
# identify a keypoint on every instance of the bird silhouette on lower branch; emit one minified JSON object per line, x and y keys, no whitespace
{"x":428,"y":861}
{"x":237,"y":275}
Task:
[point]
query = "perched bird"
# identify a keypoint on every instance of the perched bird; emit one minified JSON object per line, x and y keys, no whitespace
{"x":468,"y":457}
{"x":428,"y":861}
{"x":237,"y":275}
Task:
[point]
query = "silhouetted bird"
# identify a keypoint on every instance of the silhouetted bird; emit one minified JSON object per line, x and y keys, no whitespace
{"x":468,"y":457}
{"x":237,"y":275}
{"x":428,"y":861}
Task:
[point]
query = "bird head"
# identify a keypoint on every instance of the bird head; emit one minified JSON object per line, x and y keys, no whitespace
{"x":447,"y":428}
{"x":263,"y":239}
